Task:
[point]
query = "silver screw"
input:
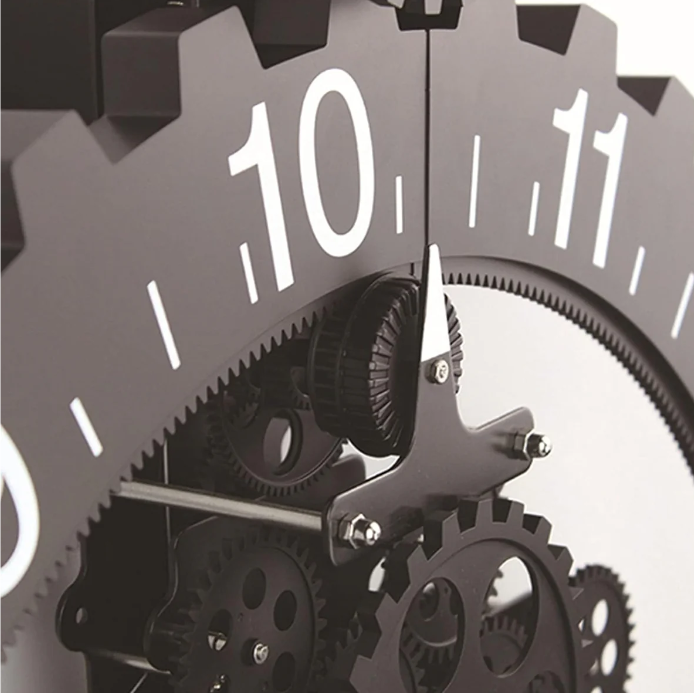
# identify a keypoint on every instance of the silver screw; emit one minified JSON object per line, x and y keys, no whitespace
{"x":260,"y":652}
{"x":529,"y":446}
{"x":219,"y":686}
{"x":439,"y":371}
{"x":359,"y":531}
{"x":539,"y":445}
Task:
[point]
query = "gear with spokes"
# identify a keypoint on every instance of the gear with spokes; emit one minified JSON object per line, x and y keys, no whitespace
{"x":607,"y":622}
{"x":480,"y":534}
{"x":257,"y":616}
{"x":265,"y":449}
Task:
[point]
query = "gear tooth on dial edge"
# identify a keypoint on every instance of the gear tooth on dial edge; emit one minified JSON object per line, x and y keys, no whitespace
{"x":585,"y":36}
{"x":499,"y":18}
{"x":675,"y":112}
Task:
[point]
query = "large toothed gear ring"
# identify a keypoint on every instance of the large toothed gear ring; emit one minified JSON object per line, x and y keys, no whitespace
{"x":256,"y":617}
{"x":155,"y":289}
{"x":464,"y":549}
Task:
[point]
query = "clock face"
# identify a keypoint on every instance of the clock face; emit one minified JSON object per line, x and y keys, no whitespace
{"x":220,"y":207}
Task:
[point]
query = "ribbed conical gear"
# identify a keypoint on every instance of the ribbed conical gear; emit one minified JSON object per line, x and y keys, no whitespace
{"x":600,"y":584}
{"x":465,"y":548}
{"x":265,"y":586}
{"x":503,"y":639}
{"x":363,"y":365}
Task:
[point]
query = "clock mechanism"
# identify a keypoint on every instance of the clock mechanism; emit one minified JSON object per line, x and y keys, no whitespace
{"x":224,"y":290}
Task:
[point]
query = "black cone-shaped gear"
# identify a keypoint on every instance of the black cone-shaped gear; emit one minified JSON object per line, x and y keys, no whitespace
{"x":599,"y":584}
{"x":465,"y":548}
{"x":261,"y":587}
{"x":363,"y":365}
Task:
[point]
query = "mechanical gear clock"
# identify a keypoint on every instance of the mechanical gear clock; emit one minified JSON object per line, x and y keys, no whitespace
{"x":227,"y":228}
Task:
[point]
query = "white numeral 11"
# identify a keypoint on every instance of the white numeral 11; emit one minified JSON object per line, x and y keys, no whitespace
{"x":611,"y":144}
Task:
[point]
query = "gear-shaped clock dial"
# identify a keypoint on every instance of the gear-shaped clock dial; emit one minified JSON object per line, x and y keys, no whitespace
{"x":225,"y":201}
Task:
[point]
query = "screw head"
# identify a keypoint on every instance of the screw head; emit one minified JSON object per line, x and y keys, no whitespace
{"x":220,"y":684}
{"x":358,"y":531}
{"x":439,"y":371}
{"x":528,"y":446}
{"x":539,"y":445}
{"x":260,"y":653}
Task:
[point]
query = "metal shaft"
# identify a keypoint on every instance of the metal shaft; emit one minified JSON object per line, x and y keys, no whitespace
{"x":134,"y":661}
{"x":216,"y":504}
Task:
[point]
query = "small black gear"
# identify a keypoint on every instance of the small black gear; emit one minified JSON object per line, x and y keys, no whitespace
{"x":363,"y":365}
{"x":546,"y":682}
{"x":503,"y":639}
{"x":344,"y":639}
{"x":256,"y":617}
{"x":431,"y":624}
{"x":274,"y":451}
{"x":465,"y":547}
{"x":603,"y":590}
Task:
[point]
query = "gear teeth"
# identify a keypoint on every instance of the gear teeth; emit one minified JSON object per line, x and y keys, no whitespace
{"x":508,"y":511}
{"x":440,"y":529}
{"x":593,"y":43}
{"x":563,"y":557}
{"x":484,"y":514}
{"x":397,"y":571}
{"x":675,"y":113}
{"x":499,"y":16}
{"x":539,"y":526}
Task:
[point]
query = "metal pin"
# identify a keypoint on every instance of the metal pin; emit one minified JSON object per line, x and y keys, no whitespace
{"x":217,"y":504}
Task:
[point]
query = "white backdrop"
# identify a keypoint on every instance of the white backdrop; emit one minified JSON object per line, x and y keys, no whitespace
{"x":615,"y":488}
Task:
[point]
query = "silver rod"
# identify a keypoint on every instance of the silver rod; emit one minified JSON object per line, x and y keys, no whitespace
{"x":134,"y":661}
{"x":217,"y":504}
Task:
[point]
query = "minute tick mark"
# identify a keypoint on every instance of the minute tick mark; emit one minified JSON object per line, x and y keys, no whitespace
{"x":474,"y":183}
{"x":164,"y":327}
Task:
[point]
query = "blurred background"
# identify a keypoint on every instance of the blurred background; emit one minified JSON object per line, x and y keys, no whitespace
{"x":616,"y":488}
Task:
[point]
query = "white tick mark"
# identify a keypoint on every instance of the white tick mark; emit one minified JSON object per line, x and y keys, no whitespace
{"x":398,"y":204}
{"x":682,"y":310}
{"x":85,"y":424}
{"x":474,"y":183}
{"x":533,"y":209}
{"x":636,"y":274}
{"x":163,"y":322}
{"x":248,"y":271}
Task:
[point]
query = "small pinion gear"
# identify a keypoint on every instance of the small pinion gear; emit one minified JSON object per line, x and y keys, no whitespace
{"x":257,"y":616}
{"x":502,"y":639}
{"x":611,"y":636}
{"x":363,"y":362}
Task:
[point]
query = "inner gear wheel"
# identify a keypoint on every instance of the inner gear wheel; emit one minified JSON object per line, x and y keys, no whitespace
{"x":607,"y":623}
{"x":256,"y":617}
{"x":363,"y":365}
{"x":465,"y":548}
{"x":432,"y":623}
{"x":503,"y":639}
{"x":269,"y":450}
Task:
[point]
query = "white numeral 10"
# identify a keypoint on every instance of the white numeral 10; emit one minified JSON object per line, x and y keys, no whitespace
{"x":611,"y":144}
{"x":258,"y":152}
